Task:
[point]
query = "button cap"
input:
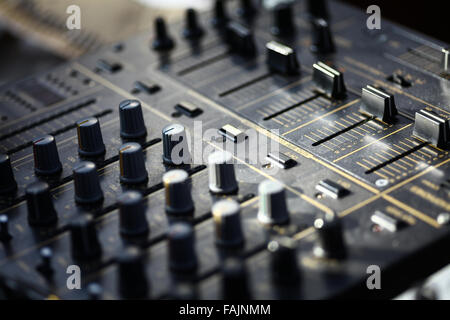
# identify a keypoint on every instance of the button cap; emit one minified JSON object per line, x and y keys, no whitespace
{"x":240,"y":39}
{"x":133,"y":219}
{"x":87,"y":183}
{"x":46,"y":157}
{"x":175,"y":145}
{"x":432,"y":128}
{"x":220,"y":18}
{"x":83,"y":238}
{"x":332,"y":189}
{"x":41,"y":211}
{"x":284,"y":261}
{"x":281,"y":160}
{"x":178,"y":193}
{"x":182,"y":256}
{"x":192,"y":29}
{"x":283,"y":21}
{"x":90,"y":139}
{"x":272,"y":203}
{"x":132,"y":164}
{"x":227,"y":221}
{"x":188,"y":109}
{"x":328,"y":80}
{"x":322,"y":39}
{"x":163,"y":41}
{"x":282,"y":59}
{"x":377,"y":103}
{"x":133,"y":281}
{"x":132,"y":125}
{"x":222,"y":179}
{"x":330,"y":243}
{"x":7,"y":183}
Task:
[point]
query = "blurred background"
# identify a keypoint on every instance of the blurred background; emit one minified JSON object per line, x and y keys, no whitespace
{"x":33,"y":33}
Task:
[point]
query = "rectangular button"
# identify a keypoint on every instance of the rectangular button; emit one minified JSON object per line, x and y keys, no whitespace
{"x":281,"y":160}
{"x":332,"y":189}
{"x":108,"y":65}
{"x":386,"y":221}
{"x":146,"y":86}
{"x":232,"y":133}
{"x":188,"y":109}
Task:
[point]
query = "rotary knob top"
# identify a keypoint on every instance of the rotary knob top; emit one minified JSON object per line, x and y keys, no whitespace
{"x":84,"y":240}
{"x":90,"y":140}
{"x":133,"y":219}
{"x":227,"y":220}
{"x":132,"y":124}
{"x":46,"y":157}
{"x":132,"y":164}
{"x":182,"y":256}
{"x":272,"y":203}
{"x":7,"y":183}
{"x":222,"y":179}
{"x":175,"y":145}
{"x":178,"y":193}
{"x":41,"y":211}
{"x":87,"y":183}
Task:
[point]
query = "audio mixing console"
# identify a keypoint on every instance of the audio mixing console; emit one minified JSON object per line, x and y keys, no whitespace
{"x":241,"y":153}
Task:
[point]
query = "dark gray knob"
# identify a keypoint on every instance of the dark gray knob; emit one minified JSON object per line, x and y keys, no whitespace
{"x":192,"y":29}
{"x":87,"y":184}
{"x":41,"y":211}
{"x":283,"y":262}
{"x":272,"y":203}
{"x":133,"y":219}
{"x":83,"y":238}
{"x":322,"y":39}
{"x":283,"y":21}
{"x":175,"y":145}
{"x":133,"y":282}
{"x":220,"y":18}
{"x":7,"y":183}
{"x":90,"y":140}
{"x":132,"y":164}
{"x":163,"y":41}
{"x":182,"y":256}
{"x":227,"y":221}
{"x":222,"y":179}
{"x":330,"y":242}
{"x":132,"y":125}
{"x":234,"y":280}
{"x":46,"y":157}
{"x":178,"y":193}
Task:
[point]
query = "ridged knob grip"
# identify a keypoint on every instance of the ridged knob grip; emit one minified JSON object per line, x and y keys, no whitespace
{"x":87,"y":183}
{"x":178,"y":193}
{"x":132,"y":164}
{"x":272,"y":203}
{"x":133,"y":219}
{"x":46,"y":157}
{"x":222,"y":179}
{"x":132,"y":125}
{"x":175,"y":145}
{"x":133,"y":282}
{"x":90,"y":139}
{"x":7,"y":183}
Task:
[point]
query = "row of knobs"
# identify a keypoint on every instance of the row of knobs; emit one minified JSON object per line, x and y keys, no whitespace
{"x":283,"y":24}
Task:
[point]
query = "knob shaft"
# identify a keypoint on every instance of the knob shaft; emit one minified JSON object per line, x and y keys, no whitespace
{"x":178,"y":193}
{"x":283,"y":22}
{"x":272,"y":203}
{"x":46,"y":157}
{"x":41,"y":211}
{"x":283,"y":262}
{"x":84,"y":241}
{"x":87,"y":184}
{"x":182,"y":256}
{"x":133,"y":282}
{"x":322,"y":39}
{"x":133,"y":219}
{"x":132,"y":164}
{"x":227,"y":220}
{"x":330,"y":243}
{"x":7,"y":183}
{"x":132,"y":125}
{"x":175,"y":145}
{"x":222,"y":179}
{"x":192,"y":29}
{"x":90,"y":140}
{"x":163,"y":41}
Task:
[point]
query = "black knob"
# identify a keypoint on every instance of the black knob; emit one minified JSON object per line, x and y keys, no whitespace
{"x":282,"y":59}
{"x":318,"y":9}
{"x":87,"y":184}
{"x":7,"y":184}
{"x":284,"y":261}
{"x":246,"y":10}
{"x":178,"y":193}
{"x":330,"y":243}
{"x":175,"y":145}
{"x":192,"y":29}
{"x":90,"y":140}
{"x":222,"y":179}
{"x":227,"y":221}
{"x":182,"y":256}
{"x":132,"y":164}
{"x":272,"y":203}
{"x":240,"y":39}
{"x":132,"y":124}
{"x":46,"y":158}
{"x":4,"y":229}
{"x":283,"y":21}
{"x":220,"y":18}
{"x":322,"y":39}
{"x":133,"y":282}
{"x":133,"y":219}
{"x":162,"y":40}
{"x":41,"y":211}
{"x":83,"y":238}
{"x":45,"y":266}
{"x":234,"y":280}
